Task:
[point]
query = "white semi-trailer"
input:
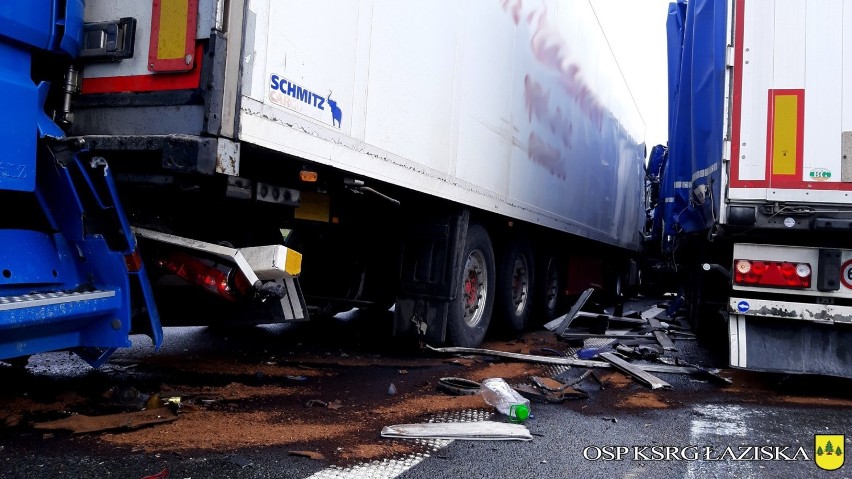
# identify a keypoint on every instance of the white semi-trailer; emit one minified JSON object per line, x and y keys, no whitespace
{"x":456,"y":159}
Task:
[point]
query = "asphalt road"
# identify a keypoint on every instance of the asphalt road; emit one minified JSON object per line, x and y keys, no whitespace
{"x":244,"y":410}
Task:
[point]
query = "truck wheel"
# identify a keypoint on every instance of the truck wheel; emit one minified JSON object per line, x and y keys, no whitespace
{"x":549,"y":290}
{"x":515,"y":287}
{"x":470,"y":312}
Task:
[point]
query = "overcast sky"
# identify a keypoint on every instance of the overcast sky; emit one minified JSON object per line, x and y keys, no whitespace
{"x":636,"y":30}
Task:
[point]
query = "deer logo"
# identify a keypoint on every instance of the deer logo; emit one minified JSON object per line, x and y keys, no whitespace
{"x":336,"y":112}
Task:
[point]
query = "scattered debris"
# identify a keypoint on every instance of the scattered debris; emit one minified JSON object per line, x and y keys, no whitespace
{"x":544,"y":395}
{"x":297,"y":378}
{"x":554,"y":352}
{"x":8,"y":419}
{"x":402,"y":372}
{"x":708,"y":373}
{"x":642,"y":376}
{"x":160,"y":475}
{"x":316,"y":402}
{"x":241,"y":461}
{"x":313,"y":455}
{"x":597,"y":380}
{"x":646,"y":351}
{"x":522,"y":357}
{"x":460,"y":362}
{"x":610,"y":335}
{"x":611,"y":419}
{"x":458,"y":386}
{"x":334,"y":405}
{"x":548,"y":384}
{"x":81,"y":424}
{"x":559,"y":325}
{"x":472,"y":431}
{"x":661,"y":336}
{"x":589,"y":353}
{"x":637,"y":342}
{"x":391,"y":389}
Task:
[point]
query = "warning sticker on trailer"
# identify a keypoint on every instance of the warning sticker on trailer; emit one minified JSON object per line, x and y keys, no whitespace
{"x":846,"y":274}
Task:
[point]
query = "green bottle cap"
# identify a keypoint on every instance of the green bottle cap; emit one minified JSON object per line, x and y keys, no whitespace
{"x":519,"y":412}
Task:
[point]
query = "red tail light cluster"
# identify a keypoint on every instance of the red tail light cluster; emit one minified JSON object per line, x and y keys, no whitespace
{"x":227,"y":284}
{"x":779,"y":274}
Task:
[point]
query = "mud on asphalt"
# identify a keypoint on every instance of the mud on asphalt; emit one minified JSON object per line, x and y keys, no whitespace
{"x":246,"y":392}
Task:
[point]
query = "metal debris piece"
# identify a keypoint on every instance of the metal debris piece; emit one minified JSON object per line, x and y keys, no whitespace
{"x":391,"y":389}
{"x":603,"y":336}
{"x":665,"y":368}
{"x":543,"y":395}
{"x":645,"y":351}
{"x":597,"y":380}
{"x":637,"y":342}
{"x":241,"y":461}
{"x":560,"y":324}
{"x":579,"y":379}
{"x":642,"y":376}
{"x":316,"y":402}
{"x":696,"y":370}
{"x":554,"y":352}
{"x":472,"y":431}
{"x":548,"y":384}
{"x":660,"y":335}
{"x":523,"y":357}
{"x":309,"y":454}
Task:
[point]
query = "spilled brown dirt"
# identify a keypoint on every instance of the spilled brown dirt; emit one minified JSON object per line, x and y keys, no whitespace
{"x":233,"y":402}
{"x":642,"y":400}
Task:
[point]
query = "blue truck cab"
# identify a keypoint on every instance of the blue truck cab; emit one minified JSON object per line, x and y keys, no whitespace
{"x":71,"y":277}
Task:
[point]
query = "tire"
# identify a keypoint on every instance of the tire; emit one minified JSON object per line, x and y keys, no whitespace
{"x":515,"y":286}
{"x":470,"y":312}
{"x":549,"y":287}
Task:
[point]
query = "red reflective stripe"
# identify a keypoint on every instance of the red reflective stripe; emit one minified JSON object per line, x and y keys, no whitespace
{"x":149,"y":82}
{"x":739,"y":39}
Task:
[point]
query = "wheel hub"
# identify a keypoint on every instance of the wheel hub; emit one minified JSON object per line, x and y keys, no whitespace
{"x":475,"y":280}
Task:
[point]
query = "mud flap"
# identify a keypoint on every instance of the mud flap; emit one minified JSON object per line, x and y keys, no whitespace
{"x":789,"y":346}
{"x":431,"y":257}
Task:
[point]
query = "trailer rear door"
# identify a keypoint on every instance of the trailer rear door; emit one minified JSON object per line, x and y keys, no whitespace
{"x":791,"y":135}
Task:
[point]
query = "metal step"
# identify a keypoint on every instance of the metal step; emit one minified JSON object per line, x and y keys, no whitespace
{"x":34,"y":300}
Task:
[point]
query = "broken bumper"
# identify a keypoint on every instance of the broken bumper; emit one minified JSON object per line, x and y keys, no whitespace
{"x":786,"y":337}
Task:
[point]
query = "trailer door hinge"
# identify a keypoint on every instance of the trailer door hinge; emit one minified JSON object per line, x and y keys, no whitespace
{"x":729,"y":56}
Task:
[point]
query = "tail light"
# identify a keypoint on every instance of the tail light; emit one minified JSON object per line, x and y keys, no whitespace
{"x":229,"y":283}
{"x":779,"y":274}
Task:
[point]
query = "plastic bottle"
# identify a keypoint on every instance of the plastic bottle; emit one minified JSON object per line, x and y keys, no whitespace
{"x":499,"y":394}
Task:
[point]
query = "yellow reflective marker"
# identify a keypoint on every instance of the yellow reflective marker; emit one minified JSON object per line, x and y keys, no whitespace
{"x":293,"y":262}
{"x":785,"y":134}
{"x":171,"y":42}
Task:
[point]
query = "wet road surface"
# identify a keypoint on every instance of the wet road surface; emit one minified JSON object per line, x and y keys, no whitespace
{"x":243,"y":397}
